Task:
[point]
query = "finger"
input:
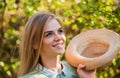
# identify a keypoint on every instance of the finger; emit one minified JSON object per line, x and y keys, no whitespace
{"x":94,"y":70}
{"x":80,"y":67}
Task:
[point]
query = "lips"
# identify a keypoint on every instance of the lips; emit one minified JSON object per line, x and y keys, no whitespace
{"x":58,"y":45}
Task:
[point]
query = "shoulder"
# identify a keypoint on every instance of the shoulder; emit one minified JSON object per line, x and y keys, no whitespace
{"x":67,"y":65}
{"x":69,"y":70}
{"x":34,"y":74}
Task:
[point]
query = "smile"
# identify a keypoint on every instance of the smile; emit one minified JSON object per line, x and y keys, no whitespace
{"x":59,"y":45}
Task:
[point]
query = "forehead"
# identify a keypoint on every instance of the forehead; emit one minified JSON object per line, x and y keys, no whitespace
{"x":53,"y":24}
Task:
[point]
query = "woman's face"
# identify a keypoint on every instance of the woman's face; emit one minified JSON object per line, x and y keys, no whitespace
{"x":53,"y":38}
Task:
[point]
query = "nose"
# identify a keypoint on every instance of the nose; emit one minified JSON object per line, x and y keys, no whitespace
{"x":58,"y":36}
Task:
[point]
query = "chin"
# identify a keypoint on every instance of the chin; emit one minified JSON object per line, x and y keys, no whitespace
{"x":60,"y":52}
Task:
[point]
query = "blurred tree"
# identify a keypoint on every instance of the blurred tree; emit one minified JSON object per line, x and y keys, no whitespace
{"x":77,"y":16}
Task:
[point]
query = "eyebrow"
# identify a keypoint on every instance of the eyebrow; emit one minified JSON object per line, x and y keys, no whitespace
{"x":51,"y":31}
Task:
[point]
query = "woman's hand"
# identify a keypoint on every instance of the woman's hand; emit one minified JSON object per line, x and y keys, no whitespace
{"x":85,"y":73}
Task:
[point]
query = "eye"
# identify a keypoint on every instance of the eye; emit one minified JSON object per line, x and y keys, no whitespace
{"x":60,"y":31}
{"x":47,"y":34}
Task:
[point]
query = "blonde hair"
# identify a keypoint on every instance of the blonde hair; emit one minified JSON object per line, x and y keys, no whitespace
{"x":33,"y":33}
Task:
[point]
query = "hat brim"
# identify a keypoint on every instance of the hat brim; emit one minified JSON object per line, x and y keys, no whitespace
{"x":106,"y":42}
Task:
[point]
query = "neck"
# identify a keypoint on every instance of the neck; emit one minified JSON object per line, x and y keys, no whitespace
{"x":51,"y":63}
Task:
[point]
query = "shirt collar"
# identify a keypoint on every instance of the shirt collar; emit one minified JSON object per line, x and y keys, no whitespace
{"x":51,"y":73}
{"x":46,"y":71}
{"x":64,"y":70}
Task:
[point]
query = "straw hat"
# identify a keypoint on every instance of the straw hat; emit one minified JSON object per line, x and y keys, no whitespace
{"x":94,"y":48}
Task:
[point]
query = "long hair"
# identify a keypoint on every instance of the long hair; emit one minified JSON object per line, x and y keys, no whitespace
{"x":33,"y":33}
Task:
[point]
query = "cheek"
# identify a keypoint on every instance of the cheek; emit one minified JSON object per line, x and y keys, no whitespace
{"x":64,"y":38}
{"x":47,"y":42}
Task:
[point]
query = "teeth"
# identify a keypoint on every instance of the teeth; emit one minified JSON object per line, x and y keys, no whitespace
{"x":58,"y":45}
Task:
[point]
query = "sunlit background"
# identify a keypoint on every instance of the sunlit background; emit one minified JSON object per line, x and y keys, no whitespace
{"x":77,"y":16}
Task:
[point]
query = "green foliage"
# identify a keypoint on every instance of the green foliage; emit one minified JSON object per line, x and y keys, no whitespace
{"x":77,"y":16}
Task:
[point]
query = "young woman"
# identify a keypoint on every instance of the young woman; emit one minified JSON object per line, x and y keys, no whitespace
{"x":42,"y":44}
